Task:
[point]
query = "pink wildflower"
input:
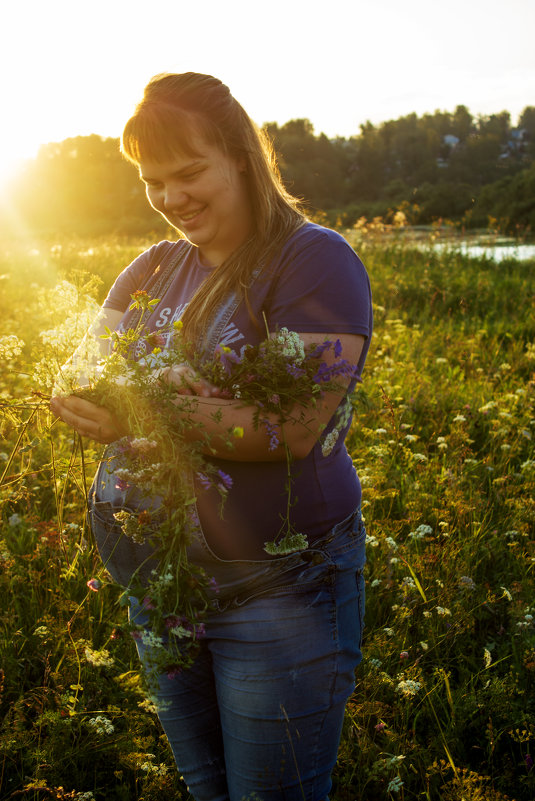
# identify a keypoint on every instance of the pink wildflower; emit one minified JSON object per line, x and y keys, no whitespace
{"x":94,"y":584}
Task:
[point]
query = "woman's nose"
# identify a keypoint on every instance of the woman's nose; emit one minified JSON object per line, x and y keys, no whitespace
{"x":175,"y":197}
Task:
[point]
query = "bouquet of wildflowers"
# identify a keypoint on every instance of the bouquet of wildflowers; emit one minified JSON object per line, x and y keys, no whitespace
{"x":279,"y":377}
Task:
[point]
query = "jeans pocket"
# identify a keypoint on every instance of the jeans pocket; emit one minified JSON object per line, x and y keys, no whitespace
{"x":122,"y":557}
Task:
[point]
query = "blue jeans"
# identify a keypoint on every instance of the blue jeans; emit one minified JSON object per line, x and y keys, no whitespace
{"x":259,"y":714}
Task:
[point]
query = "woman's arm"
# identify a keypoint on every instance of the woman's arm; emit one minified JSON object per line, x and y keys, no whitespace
{"x":213,"y":417}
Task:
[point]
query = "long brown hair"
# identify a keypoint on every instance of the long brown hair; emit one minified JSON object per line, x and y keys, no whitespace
{"x":174,"y":109}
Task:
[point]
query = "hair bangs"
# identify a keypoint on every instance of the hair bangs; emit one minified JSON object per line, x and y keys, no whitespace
{"x":158,"y":132}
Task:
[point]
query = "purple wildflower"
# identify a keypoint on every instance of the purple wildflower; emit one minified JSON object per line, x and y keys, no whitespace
{"x":121,"y":484}
{"x":214,"y":585}
{"x":225,"y":479}
{"x":337,"y":349}
{"x":294,"y":371}
{"x":319,"y":350}
{"x":172,"y":621}
{"x":341,"y":368}
{"x":227,"y":357}
{"x":529,"y":761}
{"x":271,"y":431}
{"x":204,"y":481}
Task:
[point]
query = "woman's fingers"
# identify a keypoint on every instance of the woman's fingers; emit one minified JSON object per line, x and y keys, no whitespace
{"x":88,"y":419}
{"x":188,"y":382}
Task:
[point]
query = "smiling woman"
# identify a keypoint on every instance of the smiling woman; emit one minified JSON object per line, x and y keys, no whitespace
{"x":246,"y":262}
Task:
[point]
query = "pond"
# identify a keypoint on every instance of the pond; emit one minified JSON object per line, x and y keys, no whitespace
{"x":497,"y":251}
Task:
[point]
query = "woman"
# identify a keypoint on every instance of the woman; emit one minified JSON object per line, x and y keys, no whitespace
{"x":259,"y":714}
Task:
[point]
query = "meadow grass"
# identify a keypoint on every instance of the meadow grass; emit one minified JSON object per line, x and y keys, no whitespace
{"x":442,"y":439}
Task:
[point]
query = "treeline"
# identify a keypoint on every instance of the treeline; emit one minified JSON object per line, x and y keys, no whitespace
{"x":474,"y":170}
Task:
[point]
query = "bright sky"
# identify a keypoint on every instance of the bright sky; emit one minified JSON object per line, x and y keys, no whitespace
{"x":70,"y":68}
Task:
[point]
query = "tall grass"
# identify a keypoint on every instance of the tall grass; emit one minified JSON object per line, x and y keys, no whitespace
{"x":443,"y":441}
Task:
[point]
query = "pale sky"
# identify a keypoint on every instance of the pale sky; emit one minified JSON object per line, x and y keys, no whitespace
{"x":70,"y":68}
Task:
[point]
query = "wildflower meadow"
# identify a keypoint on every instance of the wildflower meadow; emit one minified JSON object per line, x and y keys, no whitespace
{"x":443,"y":440}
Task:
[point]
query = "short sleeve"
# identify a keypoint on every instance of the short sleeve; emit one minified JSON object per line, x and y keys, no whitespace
{"x":134,"y":276}
{"x":322,"y":286}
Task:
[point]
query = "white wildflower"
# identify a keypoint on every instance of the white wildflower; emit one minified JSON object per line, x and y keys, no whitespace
{"x":329,"y":442}
{"x":466,"y":583}
{"x":143,"y":445}
{"x":151,"y":640}
{"x":487,"y":407}
{"x":10,"y":346}
{"x":395,"y":785}
{"x":487,"y":657}
{"x":394,"y":760}
{"x":101,"y":725}
{"x":99,"y":658}
{"x":460,"y":418}
{"x":408,"y":688}
{"x":293,"y":346}
{"x":443,"y":611}
{"x":392,"y":543}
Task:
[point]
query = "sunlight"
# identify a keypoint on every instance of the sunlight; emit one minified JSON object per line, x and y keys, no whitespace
{"x":10,"y":166}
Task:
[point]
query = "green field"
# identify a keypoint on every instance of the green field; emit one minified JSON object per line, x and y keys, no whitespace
{"x":443,"y":440}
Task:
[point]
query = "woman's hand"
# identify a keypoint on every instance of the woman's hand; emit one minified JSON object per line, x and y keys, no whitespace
{"x":187,"y":381}
{"x":88,"y":419}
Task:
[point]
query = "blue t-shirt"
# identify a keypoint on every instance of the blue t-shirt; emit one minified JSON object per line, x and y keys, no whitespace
{"x":317,"y":284}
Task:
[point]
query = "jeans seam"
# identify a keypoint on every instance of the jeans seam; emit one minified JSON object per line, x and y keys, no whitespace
{"x":335,"y":657}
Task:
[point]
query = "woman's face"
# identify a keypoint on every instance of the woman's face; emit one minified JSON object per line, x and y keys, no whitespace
{"x":203,"y":196}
